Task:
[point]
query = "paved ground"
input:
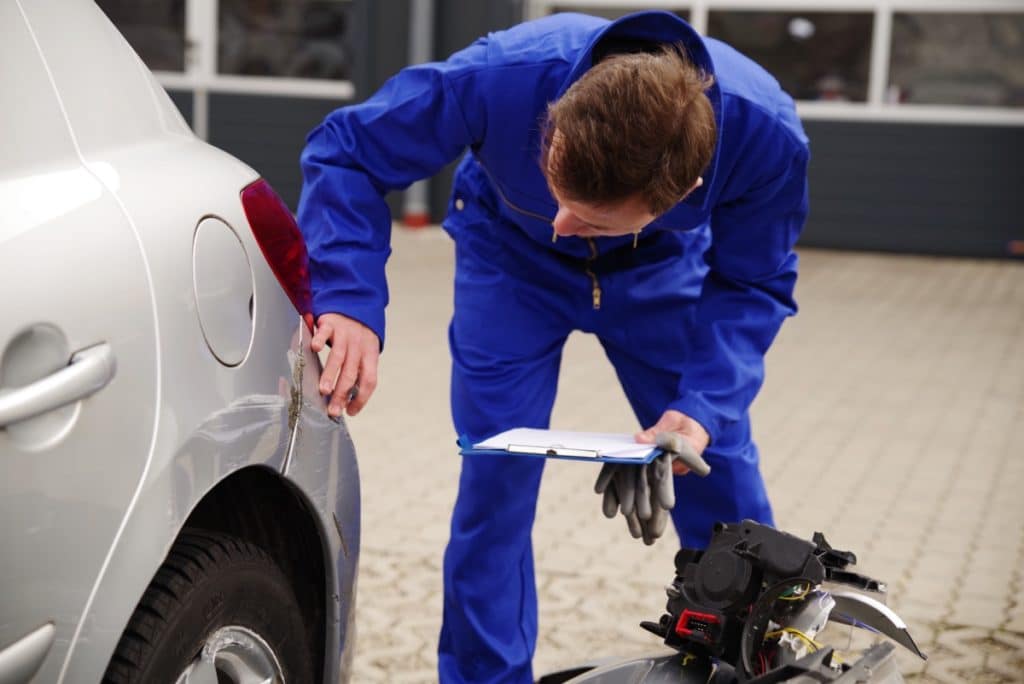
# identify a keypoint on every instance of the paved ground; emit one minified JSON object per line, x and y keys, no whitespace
{"x":892,"y":419}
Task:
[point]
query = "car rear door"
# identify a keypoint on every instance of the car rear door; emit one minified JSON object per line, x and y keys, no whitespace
{"x":78,"y":361}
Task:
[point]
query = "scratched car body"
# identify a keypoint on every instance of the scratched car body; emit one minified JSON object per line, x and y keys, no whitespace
{"x":175,"y":503}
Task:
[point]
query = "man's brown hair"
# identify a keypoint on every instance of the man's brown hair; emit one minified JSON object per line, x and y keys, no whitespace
{"x":634,"y":124}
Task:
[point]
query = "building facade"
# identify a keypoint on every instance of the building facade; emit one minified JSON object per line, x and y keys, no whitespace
{"x":914,"y":108}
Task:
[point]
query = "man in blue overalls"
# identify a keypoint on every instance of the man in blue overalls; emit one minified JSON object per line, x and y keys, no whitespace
{"x":649,"y":195}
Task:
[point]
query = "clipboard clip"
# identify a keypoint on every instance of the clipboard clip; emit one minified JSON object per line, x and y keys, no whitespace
{"x":551,"y":450}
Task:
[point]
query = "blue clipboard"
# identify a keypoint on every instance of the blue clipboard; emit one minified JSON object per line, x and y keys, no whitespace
{"x":466,"y":448}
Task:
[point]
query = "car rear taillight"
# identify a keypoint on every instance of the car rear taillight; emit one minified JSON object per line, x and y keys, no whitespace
{"x":281,"y":242}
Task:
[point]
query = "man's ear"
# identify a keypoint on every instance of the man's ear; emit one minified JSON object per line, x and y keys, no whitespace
{"x":699,"y":182}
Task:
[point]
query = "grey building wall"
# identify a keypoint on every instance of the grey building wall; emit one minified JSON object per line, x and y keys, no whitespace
{"x":381,"y":39}
{"x":927,"y":188}
{"x":268,"y":133}
{"x":460,"y":22}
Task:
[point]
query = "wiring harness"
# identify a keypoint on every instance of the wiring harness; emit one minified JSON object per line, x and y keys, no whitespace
{"x":752,"y":601}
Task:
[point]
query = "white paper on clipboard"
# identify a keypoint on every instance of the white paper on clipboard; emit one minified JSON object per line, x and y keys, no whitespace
{"x":568,"y":443}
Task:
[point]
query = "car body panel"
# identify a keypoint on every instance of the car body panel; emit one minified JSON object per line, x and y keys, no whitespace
{"x":91,"y":528}
{"x":21,"y":660}
{"x":107,"y":92}
{"x":319,"y":460}
{"x":43,"y":144}
{"x":332,"y":485}
{"x":63,"y":490}
{"x":221,"y":275}
{"x":673,"y":668}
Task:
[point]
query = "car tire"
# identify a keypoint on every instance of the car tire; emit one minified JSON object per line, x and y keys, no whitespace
{"x":217,"y":601}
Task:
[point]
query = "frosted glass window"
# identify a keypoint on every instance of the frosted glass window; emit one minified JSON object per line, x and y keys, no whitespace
{"x":957,"y":59}
{"x":814,"y":55}
{"x":289,"y":38}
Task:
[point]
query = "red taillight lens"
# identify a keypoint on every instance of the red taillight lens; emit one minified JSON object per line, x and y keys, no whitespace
{"x":283,"y":247}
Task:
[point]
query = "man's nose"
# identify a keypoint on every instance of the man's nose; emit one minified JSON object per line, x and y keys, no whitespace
{"x":566,"y":223}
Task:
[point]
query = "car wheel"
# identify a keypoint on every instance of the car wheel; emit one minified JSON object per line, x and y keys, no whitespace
{"x":219,"y":610}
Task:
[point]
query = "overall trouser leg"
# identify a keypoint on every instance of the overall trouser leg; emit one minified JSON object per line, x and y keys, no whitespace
{"x":645,"y":338}
{"x":506,"y":341}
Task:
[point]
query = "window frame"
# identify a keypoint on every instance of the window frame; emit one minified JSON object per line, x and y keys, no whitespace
{"x":875,"y":108}
{"x":200,"y":76}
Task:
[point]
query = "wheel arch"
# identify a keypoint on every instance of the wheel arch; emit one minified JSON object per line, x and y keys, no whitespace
{"x":258,"y":505}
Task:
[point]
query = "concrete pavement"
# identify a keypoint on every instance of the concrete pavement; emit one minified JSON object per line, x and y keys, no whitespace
{"x":892,"y":420}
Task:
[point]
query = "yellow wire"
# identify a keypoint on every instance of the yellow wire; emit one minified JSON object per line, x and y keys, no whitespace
{"x":811,"y":643}
{"x":814,"y":645}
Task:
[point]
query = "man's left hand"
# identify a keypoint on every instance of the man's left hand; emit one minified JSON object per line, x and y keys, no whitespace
{"x":644,"y":494}
{"x":680,"y":423}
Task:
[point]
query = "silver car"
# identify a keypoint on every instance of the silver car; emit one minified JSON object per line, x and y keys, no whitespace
{"x":175,"y":503}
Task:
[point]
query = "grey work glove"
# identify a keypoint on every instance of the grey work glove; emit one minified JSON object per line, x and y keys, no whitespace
{"x":645,"y":493}
{"x":618,"y":483}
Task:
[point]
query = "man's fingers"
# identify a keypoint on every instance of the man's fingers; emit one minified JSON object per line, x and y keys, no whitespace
{"x":349,"y":376}
{"x":323,"y":333}
{"x":669,"y":421}
{"x":367,"y":381}
{"x":329,"y":376}
{"x":345,"y":389}
{"x":336,"y":404}
{"x":645,"y":437}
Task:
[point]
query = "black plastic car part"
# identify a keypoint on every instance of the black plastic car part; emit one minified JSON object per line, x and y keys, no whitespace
{"x":724,"y":598}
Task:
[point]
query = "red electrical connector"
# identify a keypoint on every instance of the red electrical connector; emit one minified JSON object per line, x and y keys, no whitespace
{"x":703,"y":628}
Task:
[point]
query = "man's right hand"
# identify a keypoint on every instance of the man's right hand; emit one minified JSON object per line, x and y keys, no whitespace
{"x":350,"y":374}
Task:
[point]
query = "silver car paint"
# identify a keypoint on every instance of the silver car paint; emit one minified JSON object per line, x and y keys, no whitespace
{"x":221,"y":270}
{"x":87,"y":524}
{"x":674,"y":668}
{"x":62,"y":494}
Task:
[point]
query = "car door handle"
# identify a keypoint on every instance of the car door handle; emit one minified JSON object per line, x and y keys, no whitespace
{"x":89,"y":371}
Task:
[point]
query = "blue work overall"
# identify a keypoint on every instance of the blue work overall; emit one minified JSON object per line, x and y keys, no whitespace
{"x":685,"y":318}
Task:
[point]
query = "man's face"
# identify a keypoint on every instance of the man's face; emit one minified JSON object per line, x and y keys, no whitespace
{"x":589,"y":220}
{"x":583,"y":219}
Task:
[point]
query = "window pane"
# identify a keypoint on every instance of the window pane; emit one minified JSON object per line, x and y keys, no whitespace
{"x":814,"y":55}
{"x":958,"y":59}
{"x":612,"y":12}
{"x":293,"y":38}
{"x":154,"y":28}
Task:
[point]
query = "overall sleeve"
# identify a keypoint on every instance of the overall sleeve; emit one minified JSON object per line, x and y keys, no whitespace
{"x":748,"y":290}
{"x":420,"y":120}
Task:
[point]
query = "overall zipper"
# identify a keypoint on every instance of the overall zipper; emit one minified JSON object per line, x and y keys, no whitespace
{"x":595,"y":291}
{"x":501,"y":194}
{"x":595,"y":285}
